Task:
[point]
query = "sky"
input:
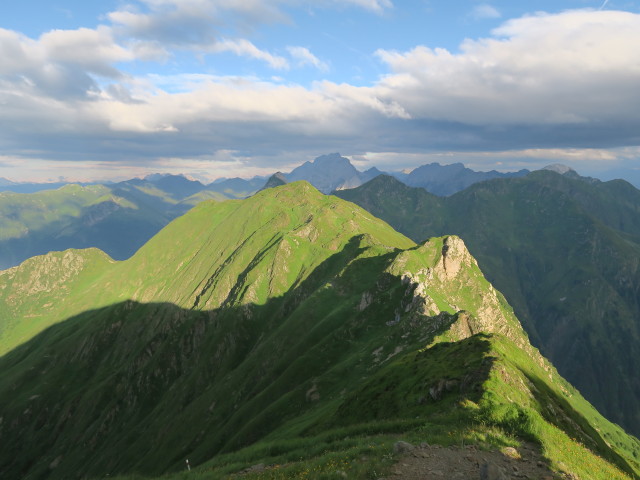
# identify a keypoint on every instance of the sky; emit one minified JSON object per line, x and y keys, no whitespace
{"x":114,"y":89}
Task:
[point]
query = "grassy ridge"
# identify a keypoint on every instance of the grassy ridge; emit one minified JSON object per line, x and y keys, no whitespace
{"x":289,"y":328}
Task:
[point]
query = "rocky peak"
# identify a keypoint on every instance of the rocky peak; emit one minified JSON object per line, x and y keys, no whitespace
{"x":559,"y":168}
{"x":276,"y":180}
{"x":442,"y":278}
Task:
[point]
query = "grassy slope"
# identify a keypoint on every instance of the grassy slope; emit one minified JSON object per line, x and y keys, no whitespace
{"x":117,"y":219}
{"x":269,"y":332}
{"x":30,"y":292}
{"x":565,"y":253}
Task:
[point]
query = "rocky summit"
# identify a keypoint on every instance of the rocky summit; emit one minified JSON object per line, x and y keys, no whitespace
{"x":288,"y":335}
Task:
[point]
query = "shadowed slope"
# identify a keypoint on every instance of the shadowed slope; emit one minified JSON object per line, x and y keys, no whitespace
{"x":564,"y":251}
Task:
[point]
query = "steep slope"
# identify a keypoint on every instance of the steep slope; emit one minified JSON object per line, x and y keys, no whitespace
{"x":30,"y":291}
{"x":117,"y":218}
{"x":564,"y":252}
{"x":276,"y":327}
{"x":73,"y":217}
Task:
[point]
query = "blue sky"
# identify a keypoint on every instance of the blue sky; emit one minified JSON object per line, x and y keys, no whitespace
{"x":210,"y":88}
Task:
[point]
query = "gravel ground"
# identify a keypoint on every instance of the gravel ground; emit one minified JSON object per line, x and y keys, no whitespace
{"x":432,"y":462}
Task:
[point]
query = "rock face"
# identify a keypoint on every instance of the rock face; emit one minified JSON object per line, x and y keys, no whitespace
{"x":490,"y":471}
{"x":276,"y":180}
{"x":445,"y":263}
{"x":331,"y":172}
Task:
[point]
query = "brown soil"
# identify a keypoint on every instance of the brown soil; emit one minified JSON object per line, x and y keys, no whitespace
{"x":427,"y":462}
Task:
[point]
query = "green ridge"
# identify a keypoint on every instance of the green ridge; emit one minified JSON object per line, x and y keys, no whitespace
{"x":290,"y":328}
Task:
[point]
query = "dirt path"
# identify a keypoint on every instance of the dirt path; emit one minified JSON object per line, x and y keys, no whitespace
{"x":427,"y":462}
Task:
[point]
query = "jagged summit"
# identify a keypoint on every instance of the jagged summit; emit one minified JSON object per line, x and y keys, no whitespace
{"x":276,"y":180}
{"x":327,"y":173}
{"x":559,"y":168}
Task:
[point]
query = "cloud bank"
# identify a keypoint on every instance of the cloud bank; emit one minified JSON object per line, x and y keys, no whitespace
{"x":544,"y":81}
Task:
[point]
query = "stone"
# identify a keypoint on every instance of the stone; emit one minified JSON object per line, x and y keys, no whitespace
{"x":490,"y":471}
{"x":401,"y":447}
{"x":511,"y":452}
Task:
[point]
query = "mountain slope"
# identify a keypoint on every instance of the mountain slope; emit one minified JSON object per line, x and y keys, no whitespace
{"x":73,"y":217}
{"x":564,"y":252}
{"x":117,"y":218}
{"x":280,"y":326}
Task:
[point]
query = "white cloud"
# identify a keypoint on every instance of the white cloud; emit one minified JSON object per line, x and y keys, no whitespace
{"x":305,"y":57}
{"x":377,"y":6}
{"x":240,"y":102}
{"x":245,"y":48}
{"x":484,"y":11}
{"x":192,"y":25}
{"x":59,"y":64}
{"x":94,"y":50}
{"x":567,"y":81}
{"x":578,"y":67}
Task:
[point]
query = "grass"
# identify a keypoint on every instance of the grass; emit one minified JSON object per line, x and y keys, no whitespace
{"x":250,"y":341}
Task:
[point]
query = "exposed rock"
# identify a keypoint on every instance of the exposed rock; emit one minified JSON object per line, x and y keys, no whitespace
{"x":443,"y":385}
{"x":276,"y":180}
{"x":365,"y":301}
{"x":511,"y":452}
{"x":260,"y":467}
{"x":312,"y":394}
{"x":55,"y":462}
{"x":454,"y":256}
{"x":490,"y":471}
{"x":401,"y":447}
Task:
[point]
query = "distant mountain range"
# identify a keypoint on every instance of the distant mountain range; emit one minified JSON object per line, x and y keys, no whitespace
{"x":446,"y":180}
{"x":288,"y":335}
{"x":565,"y":251}
{"x":119,"y":217}
{"x":331,"y":172}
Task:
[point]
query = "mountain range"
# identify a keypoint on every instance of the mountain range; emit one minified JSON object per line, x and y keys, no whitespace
{"x":119,"y":217}
{"x":288,"y":335}
{"x":565,"y":251}
{"x":446,"y":180}
{"x":578,"y":300}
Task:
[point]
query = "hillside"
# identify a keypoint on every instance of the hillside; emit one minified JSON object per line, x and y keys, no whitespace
{"x":564,"y":251}
{"x":290,"y":329}
{"x":117,"y":218}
